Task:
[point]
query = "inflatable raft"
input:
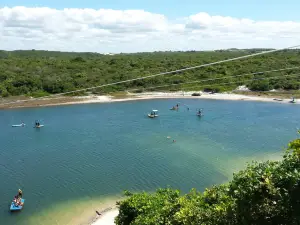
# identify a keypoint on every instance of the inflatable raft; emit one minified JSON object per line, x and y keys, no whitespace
{"x":19,"y":125}
{"x":14,"y":207}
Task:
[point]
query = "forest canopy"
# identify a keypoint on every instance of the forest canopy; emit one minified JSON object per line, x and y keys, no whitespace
{"x":38,"y":73}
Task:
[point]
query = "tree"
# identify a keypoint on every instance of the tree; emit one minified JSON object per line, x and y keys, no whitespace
{"x":260,"y":85}
{"x":29,"y":72}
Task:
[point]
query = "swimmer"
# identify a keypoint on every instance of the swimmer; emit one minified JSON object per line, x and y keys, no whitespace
{"x":174,"y":141}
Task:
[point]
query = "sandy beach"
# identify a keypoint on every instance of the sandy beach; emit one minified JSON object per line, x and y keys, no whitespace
{"x":133,"y":97}
{"x":107,"y":218}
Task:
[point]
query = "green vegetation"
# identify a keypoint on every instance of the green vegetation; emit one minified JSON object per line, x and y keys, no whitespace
{"x":263,"y":193}
{"x":39,"y":73}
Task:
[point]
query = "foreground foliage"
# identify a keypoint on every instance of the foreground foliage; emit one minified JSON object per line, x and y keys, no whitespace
{"x":263,"y":193}
{"x":39,"y":73}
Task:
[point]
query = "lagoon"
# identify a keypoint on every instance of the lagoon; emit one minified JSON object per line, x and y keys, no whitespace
{"x":86,"y":155}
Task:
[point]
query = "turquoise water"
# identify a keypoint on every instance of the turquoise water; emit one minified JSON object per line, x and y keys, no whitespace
{"x":89,"y":153}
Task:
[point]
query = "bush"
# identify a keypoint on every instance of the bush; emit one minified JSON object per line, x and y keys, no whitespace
{"x":38,"y":94}
{"x":260,"y":85}
{"x":138,"y":91}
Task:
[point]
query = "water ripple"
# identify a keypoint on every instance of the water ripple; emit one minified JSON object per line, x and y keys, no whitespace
{"x":85,"y":151}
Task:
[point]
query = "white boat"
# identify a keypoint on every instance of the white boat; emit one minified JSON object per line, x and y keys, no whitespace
{"x":37,"y":124}
{"x":293,"y":100}
{"x":153,"y":114}
{"x":19,"y":125}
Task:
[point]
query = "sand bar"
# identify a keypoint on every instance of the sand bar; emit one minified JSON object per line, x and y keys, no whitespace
{"x":107,"y":218}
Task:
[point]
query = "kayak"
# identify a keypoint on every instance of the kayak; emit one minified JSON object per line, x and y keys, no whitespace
{"x":38,"y":126}
{"x":18,"y":125}
{"x":14,"y":207}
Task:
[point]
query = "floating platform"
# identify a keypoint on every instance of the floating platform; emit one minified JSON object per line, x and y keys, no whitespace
{"x":18,"y":125}
{"x":13,"y":207}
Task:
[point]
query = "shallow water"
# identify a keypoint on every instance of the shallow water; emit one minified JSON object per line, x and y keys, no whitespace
{"x":87,"y":154}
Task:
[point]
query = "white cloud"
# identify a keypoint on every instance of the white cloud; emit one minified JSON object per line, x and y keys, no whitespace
{"x":107,"y":30}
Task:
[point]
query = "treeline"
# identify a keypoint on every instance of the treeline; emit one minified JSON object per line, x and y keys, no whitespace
{"x":263,"y":193}
{"x":38,"y":73}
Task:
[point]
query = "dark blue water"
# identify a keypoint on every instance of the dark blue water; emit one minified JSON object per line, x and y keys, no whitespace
{"x":90,"y":152}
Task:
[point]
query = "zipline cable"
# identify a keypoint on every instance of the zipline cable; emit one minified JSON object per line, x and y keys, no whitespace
{"x":265,"y":78}
{"x":217,"y":78}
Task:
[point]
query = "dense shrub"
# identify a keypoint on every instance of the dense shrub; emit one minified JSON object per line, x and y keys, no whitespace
{"x":32,"y":72}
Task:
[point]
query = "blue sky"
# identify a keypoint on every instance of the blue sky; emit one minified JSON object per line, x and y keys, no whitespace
{"x":254,"y":9}
{"x":117,"y":31}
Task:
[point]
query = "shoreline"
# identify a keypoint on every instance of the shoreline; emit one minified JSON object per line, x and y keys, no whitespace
{"x":43,"y":102}
{"x":106,"y":217}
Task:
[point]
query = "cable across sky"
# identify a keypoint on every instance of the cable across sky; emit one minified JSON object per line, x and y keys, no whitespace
{"x":259,"y":78}
{"x":218,"y":78}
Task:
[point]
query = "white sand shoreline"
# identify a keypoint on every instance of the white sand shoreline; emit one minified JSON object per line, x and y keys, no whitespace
{"x":107,"y":217}
{"x":152,"y":95}
{"x":172,"y":95}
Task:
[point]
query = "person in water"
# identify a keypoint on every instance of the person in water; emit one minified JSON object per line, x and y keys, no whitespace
{"x":20,"y":193}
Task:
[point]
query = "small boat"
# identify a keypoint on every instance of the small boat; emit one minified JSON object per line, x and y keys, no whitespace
{"x":37,"y":124}
{"x":14,"y":207}
{"x":176,"y":107}
{"x":199,"y":113}
{"x":19,"y":125}
{"x":293,"y":100}
{"x":153,"y":114}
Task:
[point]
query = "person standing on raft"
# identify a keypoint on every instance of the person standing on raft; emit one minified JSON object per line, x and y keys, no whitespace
{"x":20,"y":193}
